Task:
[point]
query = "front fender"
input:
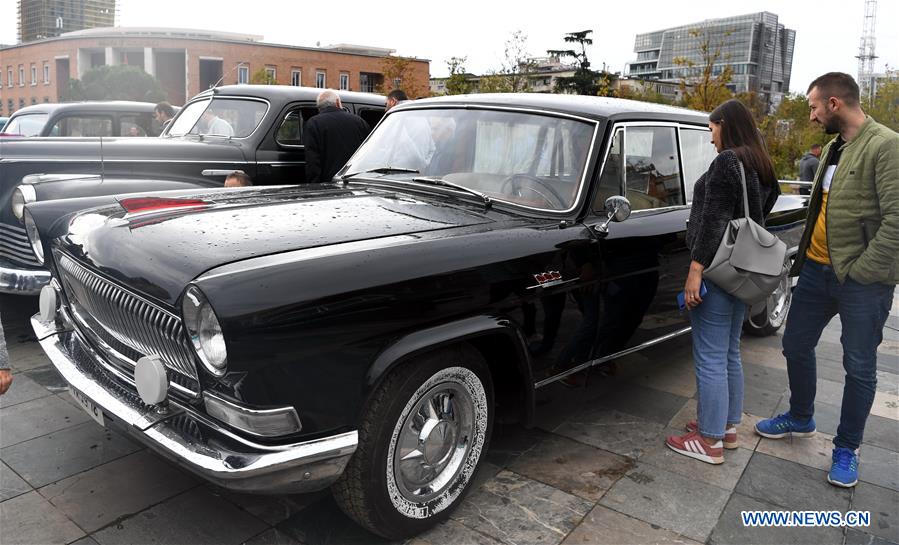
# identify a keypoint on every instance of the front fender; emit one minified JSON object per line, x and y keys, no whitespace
{"x":464,"y":330}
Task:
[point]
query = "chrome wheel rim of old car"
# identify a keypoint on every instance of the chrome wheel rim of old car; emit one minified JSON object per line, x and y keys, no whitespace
{"x":777,"y":306}
{"x":437,"y":442}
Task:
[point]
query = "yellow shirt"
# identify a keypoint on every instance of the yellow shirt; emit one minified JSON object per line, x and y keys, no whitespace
{"x":817,"y":248}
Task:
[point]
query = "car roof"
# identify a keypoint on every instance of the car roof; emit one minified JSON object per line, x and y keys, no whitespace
{"x":615,"y":109}
{"x":290,"y":92}
{"x":91,"y":105}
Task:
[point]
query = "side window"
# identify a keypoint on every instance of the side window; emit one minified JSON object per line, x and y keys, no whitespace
{"x":290,"y":133}
{"x":371,"y":115}
{"x":83,"y":126}
{"x":135,"y":125}
{"x":613,"y":167}
{"x":697,"y":153}
{"x":652,"y":171}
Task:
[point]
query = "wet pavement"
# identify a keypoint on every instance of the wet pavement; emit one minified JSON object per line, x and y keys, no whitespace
{"x":594,"y":469}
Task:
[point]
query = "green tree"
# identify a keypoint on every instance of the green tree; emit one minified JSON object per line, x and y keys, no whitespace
{"x":457,"y":83}
{"x":119,"y":82}
{"x":788,"y":134}
{"x":262,"y":77}
{"x":885,"y":108}
{"x":583,"y":82}
{"x":704,"y":85}
{"x":643,"y":93}
{"x":495,"y":83}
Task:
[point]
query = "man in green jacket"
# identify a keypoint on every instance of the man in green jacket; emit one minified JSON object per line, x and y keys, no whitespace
{"x":848,"y":264}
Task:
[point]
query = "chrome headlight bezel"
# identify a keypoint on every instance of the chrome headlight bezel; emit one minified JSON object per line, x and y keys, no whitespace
{"x":205,"y":331}
{"x":34,"y":237}
{"x":22,"y":195}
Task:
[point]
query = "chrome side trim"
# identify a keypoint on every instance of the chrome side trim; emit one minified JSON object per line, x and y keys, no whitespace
{"x":244,"y":465}
{"x":604,"y":359}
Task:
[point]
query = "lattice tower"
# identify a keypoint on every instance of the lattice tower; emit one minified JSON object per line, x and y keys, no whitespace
{"x":866,"y":54}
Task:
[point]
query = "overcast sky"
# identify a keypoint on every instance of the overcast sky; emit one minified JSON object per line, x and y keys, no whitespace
{"x":827,"y":31}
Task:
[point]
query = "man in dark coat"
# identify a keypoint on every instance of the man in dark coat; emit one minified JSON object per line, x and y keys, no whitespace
{"x":331,"y":137}
{"x":808,"y":166}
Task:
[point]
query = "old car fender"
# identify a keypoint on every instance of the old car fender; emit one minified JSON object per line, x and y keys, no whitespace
{"x":469,"y":330}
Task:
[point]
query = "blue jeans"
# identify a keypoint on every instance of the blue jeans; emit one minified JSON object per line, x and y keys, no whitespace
{"x":717,"y":324}
{"x":863,"y":310}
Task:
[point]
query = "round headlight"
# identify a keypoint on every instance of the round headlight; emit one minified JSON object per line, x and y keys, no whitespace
{"x":21,"y":196}
{"x":205,"y":331}
{"x":34,"y":237}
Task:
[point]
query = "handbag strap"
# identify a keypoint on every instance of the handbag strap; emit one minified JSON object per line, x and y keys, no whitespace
{"x":745,"y":193}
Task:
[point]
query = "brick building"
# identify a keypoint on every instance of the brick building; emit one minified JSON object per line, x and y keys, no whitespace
{"x":188,"y":61}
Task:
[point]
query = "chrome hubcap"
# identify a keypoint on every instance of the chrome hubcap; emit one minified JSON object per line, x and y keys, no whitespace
{"x":779,"y":303}
{"x":433,"y":442}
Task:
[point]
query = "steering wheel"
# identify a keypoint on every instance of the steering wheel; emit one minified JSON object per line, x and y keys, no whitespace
{"x":513,"y":185}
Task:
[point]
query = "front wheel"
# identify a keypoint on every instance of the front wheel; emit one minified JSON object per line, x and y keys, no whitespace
{"x":421,"y":440}
{"x":774,"y":315}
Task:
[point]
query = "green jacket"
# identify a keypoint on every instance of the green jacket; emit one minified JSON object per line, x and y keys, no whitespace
{"x":862,"y":214}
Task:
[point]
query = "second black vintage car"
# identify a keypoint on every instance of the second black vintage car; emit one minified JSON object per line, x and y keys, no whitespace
{"x":76,"y":119}
{"x":364,"y":335}
{"x":266,"y":142}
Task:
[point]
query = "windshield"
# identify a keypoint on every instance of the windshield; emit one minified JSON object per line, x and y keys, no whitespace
{"x":26,"y":125}
{"x":528,"y":159}
{"x":233,"y":117}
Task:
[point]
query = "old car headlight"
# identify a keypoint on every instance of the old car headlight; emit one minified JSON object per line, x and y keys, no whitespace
{"x":205,"y":331}
{"x":21,"y":196}
{"x":34,"y":237}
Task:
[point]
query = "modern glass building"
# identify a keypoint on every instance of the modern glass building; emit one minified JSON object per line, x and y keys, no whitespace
{"x":756,"y":46}
{"x":41,"y":19}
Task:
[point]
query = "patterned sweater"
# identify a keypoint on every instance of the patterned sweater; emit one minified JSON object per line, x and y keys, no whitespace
{"x":718,"y":198}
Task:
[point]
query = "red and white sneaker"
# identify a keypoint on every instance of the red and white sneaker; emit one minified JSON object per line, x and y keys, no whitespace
{"x":693,"y":446}
{"x":730,"y":434}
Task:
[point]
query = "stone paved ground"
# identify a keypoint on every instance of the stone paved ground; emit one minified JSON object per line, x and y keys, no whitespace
{"x":593,"y":471}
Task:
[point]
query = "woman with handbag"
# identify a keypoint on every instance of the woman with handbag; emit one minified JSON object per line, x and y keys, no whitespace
{"x":715,"y":315}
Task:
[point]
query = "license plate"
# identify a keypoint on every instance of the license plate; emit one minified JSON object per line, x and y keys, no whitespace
{"x":92,"y":410}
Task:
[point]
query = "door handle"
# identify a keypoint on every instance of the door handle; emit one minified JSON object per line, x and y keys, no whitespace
{"x":218,"y":172}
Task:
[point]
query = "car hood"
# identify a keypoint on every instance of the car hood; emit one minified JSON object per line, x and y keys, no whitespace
{"x":119,"y":149}
{"x":157,"y":245}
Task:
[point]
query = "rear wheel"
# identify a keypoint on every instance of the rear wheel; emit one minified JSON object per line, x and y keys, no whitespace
{"x":774,"y":315}
{"x":420,"y":442}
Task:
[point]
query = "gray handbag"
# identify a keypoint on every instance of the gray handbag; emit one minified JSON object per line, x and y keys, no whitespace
{"x":749,"y":263}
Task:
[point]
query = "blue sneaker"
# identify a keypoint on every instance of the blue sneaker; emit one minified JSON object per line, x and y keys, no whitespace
{"x":844,"y":470}
{"x":783,"y":425}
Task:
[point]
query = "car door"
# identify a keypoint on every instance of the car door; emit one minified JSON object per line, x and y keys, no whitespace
{"x":281,"y":157}
{"x":644,"y":259}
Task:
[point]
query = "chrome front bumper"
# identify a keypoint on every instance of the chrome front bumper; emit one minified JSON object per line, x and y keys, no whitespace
{"x":19,"y":281}
{"x":242,"y":465}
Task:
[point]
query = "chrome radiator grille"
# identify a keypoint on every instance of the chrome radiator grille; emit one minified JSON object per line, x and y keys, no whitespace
{"x":123,"y":320}
{"x":14,"y":245}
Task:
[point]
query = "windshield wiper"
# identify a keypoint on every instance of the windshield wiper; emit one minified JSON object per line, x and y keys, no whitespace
{"x":433,"y":180}
{"x":383,"y":170}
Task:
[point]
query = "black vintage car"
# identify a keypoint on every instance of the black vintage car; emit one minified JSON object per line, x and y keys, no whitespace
{"x":266,"y":123}
{"x":364,"y":334}
{"x":75,"y":119}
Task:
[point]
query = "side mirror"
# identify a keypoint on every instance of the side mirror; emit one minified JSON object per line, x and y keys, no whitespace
{"x":618,"y":208}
